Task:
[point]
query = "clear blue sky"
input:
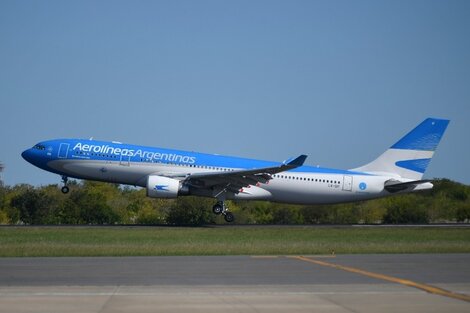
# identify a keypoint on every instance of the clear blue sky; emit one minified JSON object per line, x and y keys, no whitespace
{"x":340,"y":81}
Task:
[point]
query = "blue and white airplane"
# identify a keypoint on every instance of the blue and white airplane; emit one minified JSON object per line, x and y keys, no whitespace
{"x":167,"y":173}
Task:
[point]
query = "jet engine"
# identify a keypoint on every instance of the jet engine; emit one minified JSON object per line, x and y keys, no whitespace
{"x":163,"y":187}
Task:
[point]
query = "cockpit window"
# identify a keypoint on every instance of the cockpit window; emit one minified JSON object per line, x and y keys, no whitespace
{"x":39,"y":147}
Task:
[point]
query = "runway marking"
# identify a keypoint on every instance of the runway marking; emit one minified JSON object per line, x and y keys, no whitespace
{"x":406,"y":282}
{"x":279,"y":256}
{"x":195,"y":293}
{"x":321,"y":256}
{"x":264,"y":256}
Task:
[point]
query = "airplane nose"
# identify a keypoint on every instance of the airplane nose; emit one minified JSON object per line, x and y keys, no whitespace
{"x":27,"y":155}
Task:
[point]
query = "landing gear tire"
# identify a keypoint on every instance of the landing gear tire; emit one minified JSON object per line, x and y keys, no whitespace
{"x":65,"y":189}
{"x":220,"y":208}
{"x":229,"y":218}
{"x":217,"y":209}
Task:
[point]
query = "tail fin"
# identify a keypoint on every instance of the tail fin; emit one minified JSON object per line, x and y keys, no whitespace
{"x":410,"y":156}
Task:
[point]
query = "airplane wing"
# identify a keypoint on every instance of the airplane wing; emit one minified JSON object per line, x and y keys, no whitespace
{"x":233,"y":181}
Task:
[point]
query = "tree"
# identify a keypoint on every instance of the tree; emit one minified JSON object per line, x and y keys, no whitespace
{"x":190,"y":211}
{"x":371,"y":212}
{"x":405,"y":210}
{"x":4,"y":219}
{"x":315,"y":214}
{"x":463,"y":213}
{"x":103,"y":203}
{"x":91,"y":207}
{"x":285,"y":215}
{"x":35,"y":206}
{"x":255,"y":212}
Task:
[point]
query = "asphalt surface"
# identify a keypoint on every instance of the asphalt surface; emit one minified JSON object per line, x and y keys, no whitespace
{"x":341,"y":283}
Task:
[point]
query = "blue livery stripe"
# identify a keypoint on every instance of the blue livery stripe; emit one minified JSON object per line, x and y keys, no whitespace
{"x":425,"y":136}
{"x":103,"y":150}
{"x":417,"y":165}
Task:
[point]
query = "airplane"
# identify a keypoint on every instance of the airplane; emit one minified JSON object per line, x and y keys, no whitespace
{"x":168,"y":173}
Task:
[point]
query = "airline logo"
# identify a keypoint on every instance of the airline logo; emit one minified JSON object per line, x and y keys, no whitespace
{"x":363,"y":186}
{"x":161,"y":188}
{"x":156,"y":156}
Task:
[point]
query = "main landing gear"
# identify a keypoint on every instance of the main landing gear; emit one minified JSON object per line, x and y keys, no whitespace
{"x":65,"y":188}
{"x":221,"y":208}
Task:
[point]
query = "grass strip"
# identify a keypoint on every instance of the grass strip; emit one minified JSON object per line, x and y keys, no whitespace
{"x":164,"y":241}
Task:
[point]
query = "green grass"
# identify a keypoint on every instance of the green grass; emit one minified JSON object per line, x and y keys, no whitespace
{"x":146,"y":241}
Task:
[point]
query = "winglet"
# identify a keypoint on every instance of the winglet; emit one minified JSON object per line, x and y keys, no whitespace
{"x":298,"y":161}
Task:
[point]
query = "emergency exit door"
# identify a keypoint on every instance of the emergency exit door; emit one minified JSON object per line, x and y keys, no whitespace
{"x":347,"y":183}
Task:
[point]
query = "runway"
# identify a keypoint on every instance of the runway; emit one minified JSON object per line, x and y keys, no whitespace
{"x":343,"y":283}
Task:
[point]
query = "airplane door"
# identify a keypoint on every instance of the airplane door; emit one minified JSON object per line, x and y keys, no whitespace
{"x":347,"y":183}
{"x":125,"y":160}
{"x":63,"y":150}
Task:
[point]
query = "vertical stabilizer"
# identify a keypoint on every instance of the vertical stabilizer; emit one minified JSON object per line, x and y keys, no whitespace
{"x":411,"y":155}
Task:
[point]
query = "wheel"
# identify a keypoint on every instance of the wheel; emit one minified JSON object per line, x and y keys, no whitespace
{"x":65,"y":189}
{"x":217,"y":209}
{"x":229,"y":218}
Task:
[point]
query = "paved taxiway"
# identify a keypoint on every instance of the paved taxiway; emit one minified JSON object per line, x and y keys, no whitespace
{"x":344,"y":283}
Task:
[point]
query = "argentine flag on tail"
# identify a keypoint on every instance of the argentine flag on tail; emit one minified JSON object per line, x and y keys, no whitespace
{"x":411,"y":155}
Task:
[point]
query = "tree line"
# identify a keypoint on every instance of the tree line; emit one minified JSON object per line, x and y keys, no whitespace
{"x":95,"y":203}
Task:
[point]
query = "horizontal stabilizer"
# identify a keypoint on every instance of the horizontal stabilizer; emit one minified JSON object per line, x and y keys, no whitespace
{"x":395,"y":186}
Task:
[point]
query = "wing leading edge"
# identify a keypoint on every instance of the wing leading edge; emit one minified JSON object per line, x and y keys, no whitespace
{"x":233,"y":181}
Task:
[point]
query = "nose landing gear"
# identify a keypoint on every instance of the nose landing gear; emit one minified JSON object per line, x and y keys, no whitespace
{"x":65,"y":188}
{"x":221,"y":208}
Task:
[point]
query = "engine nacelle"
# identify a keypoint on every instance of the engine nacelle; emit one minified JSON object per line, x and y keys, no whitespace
{"x":162,"y":187}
